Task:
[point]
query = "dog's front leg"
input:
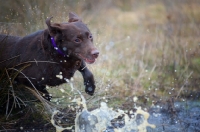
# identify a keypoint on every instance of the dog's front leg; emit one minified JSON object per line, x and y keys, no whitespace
{"x":88,"y":79}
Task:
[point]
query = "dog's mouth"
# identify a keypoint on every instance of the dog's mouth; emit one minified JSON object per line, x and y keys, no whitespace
{"x":87,"y":60}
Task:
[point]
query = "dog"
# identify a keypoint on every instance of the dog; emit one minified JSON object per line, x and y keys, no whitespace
{"x":51,"y":56}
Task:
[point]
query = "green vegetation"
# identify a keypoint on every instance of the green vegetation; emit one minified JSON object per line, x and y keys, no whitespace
{"x":148,"y":49}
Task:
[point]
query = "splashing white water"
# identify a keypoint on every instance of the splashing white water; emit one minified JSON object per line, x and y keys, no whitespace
{"x":58,"y":128}
{"x":99,"y":120}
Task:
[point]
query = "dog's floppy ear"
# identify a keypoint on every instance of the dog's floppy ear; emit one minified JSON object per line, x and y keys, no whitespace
{"x":53,"y":28}
{"x":73,"y":17}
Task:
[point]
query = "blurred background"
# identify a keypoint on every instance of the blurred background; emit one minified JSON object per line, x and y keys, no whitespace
{"x":149,"y":49}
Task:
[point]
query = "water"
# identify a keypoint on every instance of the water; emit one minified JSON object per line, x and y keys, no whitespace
{"x":105,"y":119}
{"x":101,"y":120}
{"x":165,"y":117}
{"x":181,"y":117}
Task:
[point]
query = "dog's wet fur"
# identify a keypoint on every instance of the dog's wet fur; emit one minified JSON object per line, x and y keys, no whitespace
{"x":42,"y":60}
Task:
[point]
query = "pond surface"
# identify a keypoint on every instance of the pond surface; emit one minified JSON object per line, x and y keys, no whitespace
{"x":168,"y":117}
{"x":180,"y":117}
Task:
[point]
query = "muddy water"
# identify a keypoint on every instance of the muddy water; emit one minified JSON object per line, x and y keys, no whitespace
{"x":169,"y":117}
{"x":101,"y":120}
{"x":105,"y":119}
{"x":181,"y":117}
{"x":178,"y":117}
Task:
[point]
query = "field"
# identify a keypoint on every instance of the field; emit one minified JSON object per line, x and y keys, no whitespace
{"x":149,"y":50}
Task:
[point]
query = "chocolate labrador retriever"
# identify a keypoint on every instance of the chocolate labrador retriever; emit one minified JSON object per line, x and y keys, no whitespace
{"x":51,"y":56}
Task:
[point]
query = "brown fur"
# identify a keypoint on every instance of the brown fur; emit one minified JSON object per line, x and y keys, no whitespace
{"x":74,"y":39}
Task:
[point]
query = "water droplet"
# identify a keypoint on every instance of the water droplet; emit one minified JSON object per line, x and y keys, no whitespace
{"x":62,"y":90}
{"x":47,"y":87}
{"x":135,"y":99}
{"x":90,"y":89}
{"x":59,"y":76}
{"x":67,"y":80}
{"x":59,"y":121}
{"x":132,"y":116}
{"x":64,"y":48}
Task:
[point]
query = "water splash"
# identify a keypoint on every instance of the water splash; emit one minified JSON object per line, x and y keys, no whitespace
{"x":100,"y":119}
{"x":58,"y":128}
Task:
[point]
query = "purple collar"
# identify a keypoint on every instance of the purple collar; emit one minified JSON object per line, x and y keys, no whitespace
{"x":56,"y":47}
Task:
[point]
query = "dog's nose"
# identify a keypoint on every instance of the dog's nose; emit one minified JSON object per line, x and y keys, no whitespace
{"x":95,"y":53}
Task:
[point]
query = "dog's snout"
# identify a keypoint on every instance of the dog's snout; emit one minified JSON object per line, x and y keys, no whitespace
{"x":95,"y":53}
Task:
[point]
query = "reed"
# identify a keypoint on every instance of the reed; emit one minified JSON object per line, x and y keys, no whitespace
{"x":148,"y":49}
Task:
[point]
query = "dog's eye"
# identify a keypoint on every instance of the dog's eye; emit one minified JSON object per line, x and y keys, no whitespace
{"x":90,"y":37}
{"x":77,"y":40}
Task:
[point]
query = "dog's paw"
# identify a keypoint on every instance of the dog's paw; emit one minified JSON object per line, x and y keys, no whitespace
{"x":89,"y":88}
{"x":89,"y":91}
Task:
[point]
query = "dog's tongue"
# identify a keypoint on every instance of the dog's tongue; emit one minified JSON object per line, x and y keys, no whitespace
{"x":89,"y":61}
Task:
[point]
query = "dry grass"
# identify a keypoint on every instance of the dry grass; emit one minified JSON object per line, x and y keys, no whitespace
{"x":17,"y":103}
{"x":152,"y":51}
{"x":149,"y":49}
{"x":24,"y":108}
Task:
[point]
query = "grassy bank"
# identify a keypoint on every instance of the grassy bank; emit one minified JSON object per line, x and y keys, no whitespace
{"x":149,"y":53}
{"x":148,"y":49}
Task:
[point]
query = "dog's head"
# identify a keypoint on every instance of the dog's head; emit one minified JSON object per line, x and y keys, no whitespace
{"x":74,"y":38}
